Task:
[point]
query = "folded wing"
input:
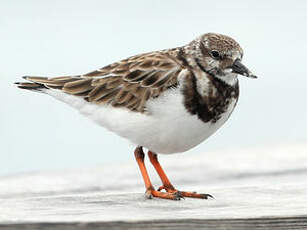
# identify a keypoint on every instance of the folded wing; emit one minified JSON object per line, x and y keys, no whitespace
{"x":128,"y":83}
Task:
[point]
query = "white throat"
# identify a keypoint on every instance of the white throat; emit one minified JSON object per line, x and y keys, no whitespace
{"x":230,"y":79}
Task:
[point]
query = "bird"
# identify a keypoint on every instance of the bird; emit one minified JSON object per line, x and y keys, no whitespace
{"x":165,"y":101}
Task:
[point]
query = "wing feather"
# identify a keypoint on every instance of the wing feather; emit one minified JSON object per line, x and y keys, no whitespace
{"x":129,"y":83}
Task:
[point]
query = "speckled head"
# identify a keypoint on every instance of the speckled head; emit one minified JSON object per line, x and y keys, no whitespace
{"x":219,"y":56}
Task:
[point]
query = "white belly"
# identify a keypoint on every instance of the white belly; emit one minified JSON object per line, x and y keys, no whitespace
{"x":167,"y":128}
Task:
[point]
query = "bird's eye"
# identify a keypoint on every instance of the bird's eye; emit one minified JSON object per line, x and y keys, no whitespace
{"x":215,"y":54}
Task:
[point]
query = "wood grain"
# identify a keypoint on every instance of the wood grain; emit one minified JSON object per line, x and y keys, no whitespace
{"x":217,"y":224}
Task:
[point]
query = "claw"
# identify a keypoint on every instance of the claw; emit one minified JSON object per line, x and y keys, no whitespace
{"x":206,"y":196}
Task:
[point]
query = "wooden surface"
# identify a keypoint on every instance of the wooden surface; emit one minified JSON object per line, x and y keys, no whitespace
{"x":264,"y":189}
{"x":184,"y":224}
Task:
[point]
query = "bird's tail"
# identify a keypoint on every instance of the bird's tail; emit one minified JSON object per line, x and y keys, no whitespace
{"x":33,"y":83}
{"x":41,"y":84}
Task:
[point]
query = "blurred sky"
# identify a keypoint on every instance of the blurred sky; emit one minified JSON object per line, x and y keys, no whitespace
{"x":51,"y":38}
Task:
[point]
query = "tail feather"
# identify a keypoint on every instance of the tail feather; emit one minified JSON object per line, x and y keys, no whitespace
{"x":40,"y":83}
{"x":34,"y":86}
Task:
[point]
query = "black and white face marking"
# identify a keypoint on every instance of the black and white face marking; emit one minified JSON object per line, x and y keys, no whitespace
{"x":221,"y":57}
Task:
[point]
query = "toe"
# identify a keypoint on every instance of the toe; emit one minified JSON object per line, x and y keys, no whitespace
{"x":196,"y":195}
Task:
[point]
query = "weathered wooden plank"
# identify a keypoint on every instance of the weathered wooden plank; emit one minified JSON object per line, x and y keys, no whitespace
{"x":103,"y":199}
{"x":271,"y":223}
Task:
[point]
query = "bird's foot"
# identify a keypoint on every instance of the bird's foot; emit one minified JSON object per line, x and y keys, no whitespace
{"x":176,"y":195}
{"x":185,"y":194}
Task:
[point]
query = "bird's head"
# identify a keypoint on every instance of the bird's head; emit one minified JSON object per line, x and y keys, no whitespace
{"x":219,"y":56}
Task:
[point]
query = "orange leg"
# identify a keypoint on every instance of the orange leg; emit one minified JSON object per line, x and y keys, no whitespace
{"x":150,"y":190}
{"x":167,"y":184}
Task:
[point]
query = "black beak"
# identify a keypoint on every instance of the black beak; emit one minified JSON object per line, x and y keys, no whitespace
{"x":239,"y":68}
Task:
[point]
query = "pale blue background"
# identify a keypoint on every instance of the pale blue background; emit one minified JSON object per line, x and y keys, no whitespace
{"x":71,"y":37}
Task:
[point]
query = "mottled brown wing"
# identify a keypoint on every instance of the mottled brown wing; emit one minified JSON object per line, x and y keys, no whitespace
{"x":128,"y":83}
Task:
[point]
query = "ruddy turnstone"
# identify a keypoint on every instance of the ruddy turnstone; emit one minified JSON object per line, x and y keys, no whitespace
{"x":166,"y":101}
